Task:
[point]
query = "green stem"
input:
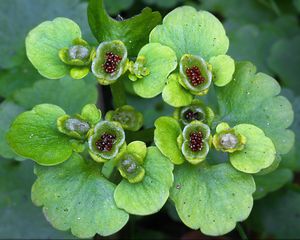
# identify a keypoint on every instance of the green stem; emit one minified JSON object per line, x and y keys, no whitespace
{"x":241,"y":231}
{"x":145,"y":135}
{"x":118,"y":93}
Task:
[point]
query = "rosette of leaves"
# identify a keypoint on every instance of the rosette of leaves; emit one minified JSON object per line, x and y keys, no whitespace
{"x":147,"y":178}
{"x":35,"y":134}
{"x":196,"y":111}
{"x":127,"y":116}
{"x":249,"y":149}
{"x":200,"y":43}
{"x":151,"y":69}
{"x":55,"y":48}
{"x":106,"y":141}
{"x":110,"y":61}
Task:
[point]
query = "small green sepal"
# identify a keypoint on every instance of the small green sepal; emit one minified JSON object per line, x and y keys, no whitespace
{"x":91,"y":114}
{"x":196,"y":142}
{"x":130,"y":162}
{"x":110,"y":61}
{"x":137,"y":69}
{"x":106,"y":141}
{"x":195,"y":74}
{"x":196,"y":111}
{"x":74,"y":127}
{"x":127,"y":116}
{"x":227,"y":139}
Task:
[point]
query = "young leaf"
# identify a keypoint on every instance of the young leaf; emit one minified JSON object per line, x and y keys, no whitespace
{"x":149,"y":195}
{"x":44,"y":42}
{"x":133,"y":32}
{"x":253,"y":98}
{"x":258,"y":153}
{"x":212,"y":198}
{"x":70,"y":95}
{"x":75,"y":196}
{"x":160,"y":61}
{"x":8,"y":112}
{"x":34,"y":135}
{"x":187,"y":31}
{"x":167,"y":130}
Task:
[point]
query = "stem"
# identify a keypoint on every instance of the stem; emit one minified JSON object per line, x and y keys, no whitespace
{"x":118,"y":94}
{"x":241,"y":232}
{"x":145,"y":135}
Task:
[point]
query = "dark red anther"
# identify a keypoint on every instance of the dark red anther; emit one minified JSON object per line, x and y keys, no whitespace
{"x":195,"y":76}
{"x":106,"y":142}
{"x":196,"y":141}
{"x":111,"y":62}
{"x":190,"y":115}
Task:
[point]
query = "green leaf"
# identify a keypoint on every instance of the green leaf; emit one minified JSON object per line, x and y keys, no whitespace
{"x":44,"y":42}
{"x":167,"y":130}
{"x":187,"y":31}
{"x":259,"y":151}
{"x":34,"y":135}
{"x":212,"y":198}
{"x":222,"y":69}
{"x":149,"y":195}
{"x":160,"y":61}
{"x":174,"y":94}
{"x":253,"y":98}
{"x":285,"y":64}
{"x":75,"y":196}
{"x":14,"y":27}
{"x":271,"y":182}
{"x":277,"y":215}
{"x":67,"y":93}
{"x":17,"y":78}
{"x":19,"y":218}
{"x":8,"y":112}
{"x":116,"y":6}
{"x":133,"y":32}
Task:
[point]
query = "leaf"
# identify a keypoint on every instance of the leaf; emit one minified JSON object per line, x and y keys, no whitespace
{"x":271,"y":182}
{"x":174,"y":94}
{"x":14,"y":27}
{"x":166,"y":132}
{"x":277,"y":215}
{"x":34,"y":135}
{"x":286,"y":64}
{"x":75,"y":196}
{"x":116,"y":6}
{"x":212,"y":198}
{"x":160,"y":61}
{"x":187,"y":31}
{"x":17,"y":78}
{"x":44,"y":42}
{"x":19,"y":218}
{"x":253,"y":98}
{"x":69,"y":94}
{"x":222,"y":69}
{"x":8,"y":112}
{"x":259,"y":151}
{"x":133,"y":32}
{"x":149,"y":195}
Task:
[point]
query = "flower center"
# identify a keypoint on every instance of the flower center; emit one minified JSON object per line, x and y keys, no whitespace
{"x":74,"y":124}
{"x":111,"y":62}
{"x":129,"y":166}
{"x":195,"y":76}
{"x":196,"y":141}
{"x":229,"y":141}
{"x":106,"y":142}
{"x":78,"y":52}
{"x":189,"y":115}
{"x":121,"y":117}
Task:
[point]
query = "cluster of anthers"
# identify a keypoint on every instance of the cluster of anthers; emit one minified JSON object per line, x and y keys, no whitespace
{"x":111,"y":62}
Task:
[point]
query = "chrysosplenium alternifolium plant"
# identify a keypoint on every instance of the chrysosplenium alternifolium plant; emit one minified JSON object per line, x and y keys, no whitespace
{"x":228,"y":124}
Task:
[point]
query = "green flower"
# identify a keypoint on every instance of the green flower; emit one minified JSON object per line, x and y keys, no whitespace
{"x":110,"y":61}
{"x":195,"y":146}
{"x":191,"y":144}
{"x":79,"y":126}
{"x":130,"y":161}
{"x":106,"y":141}
{"x":137,"y":69}
{"x":79,"y":56}
{"x":127,"y":116}
{"x":227,"y":139}
{"x":195,"y":75}
{"x":196,"y":111}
